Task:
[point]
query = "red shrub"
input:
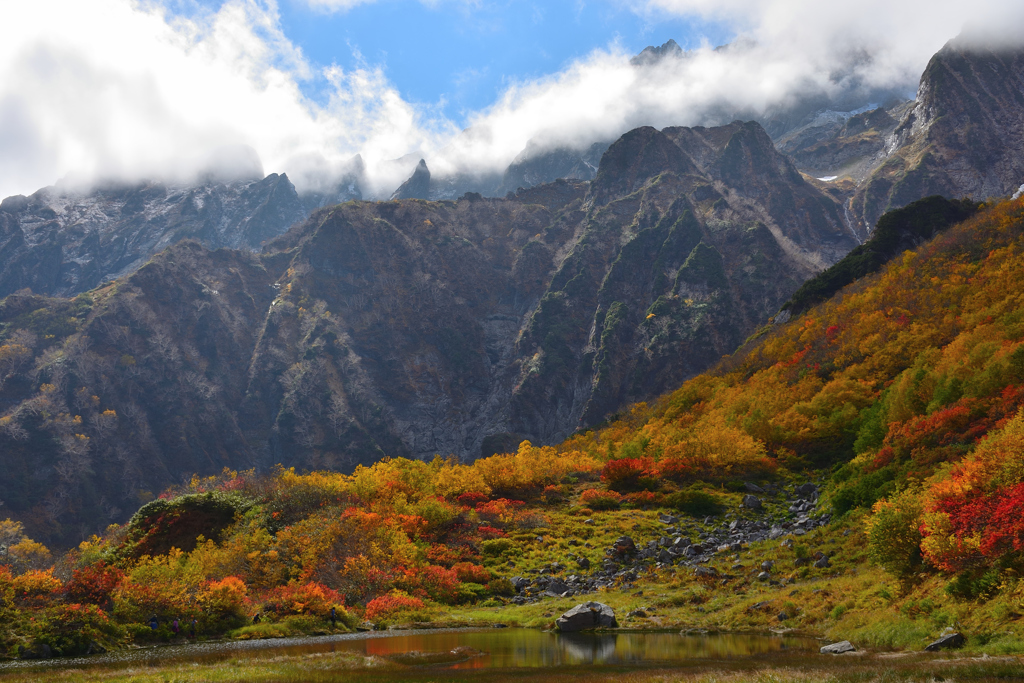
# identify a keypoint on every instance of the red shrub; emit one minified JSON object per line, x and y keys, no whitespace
{"x":433,"y":582}
{"x":597,"y":499}
{"x":467,"y":572}
{"x":92,"y":585}
{"x":487,"y":532}
{"x":675,"y":469}
{"x":471,"y":499}
{"x":629,"y":474}
{"x":389,"y":605}
{"x":501,"y":511}
{"x":642,"y":499}
{"x":305,"y":598}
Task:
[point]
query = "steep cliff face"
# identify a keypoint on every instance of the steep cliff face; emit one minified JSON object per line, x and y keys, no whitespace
{"x":63,"y":243}
{"x":964,"y":136}
{"x":407,"y":327}
{"x":107,"y":398}
{"x":463,"y":327}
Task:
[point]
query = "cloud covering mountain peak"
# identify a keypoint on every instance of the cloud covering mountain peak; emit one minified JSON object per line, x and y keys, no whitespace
{"x":116,"y":89}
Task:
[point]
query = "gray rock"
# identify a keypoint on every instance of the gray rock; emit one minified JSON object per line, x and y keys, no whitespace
{"x":807,"y":489}
{"x":767,"y":565}
{"x":838,"y":648}
{"x":588,"y":615}
{"x":822,"y":563}
{"x":751,"y":502}
{"x":624,"y":545}
{"x":764,"y":576}
{"x":705,"y":572}
{"x":950,"y":642}
{"x":752,"y":488}
{"x":588,"y":522}
{"x":35,"y":651}
{"x":583,"y":563}
{"x":783,"y":616}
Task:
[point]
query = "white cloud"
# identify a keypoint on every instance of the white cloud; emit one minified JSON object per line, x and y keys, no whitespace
{"x":116,"y":88}
{"x":119,"y":89}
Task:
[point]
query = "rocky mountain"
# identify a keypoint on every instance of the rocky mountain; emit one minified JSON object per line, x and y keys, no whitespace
{"x":62,"y":242}
{"x":417,"y":186}
{"x":963,"y":136}
{"x":406,"y":327}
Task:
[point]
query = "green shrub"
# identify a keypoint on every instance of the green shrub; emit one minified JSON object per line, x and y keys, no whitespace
{"x":894,"y":536}
{"x":495,"y":546}
{"x":695,"y":502}
{"x":501,"y":586}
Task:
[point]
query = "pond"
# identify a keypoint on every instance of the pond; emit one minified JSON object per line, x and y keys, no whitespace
{"x":474,"y":649}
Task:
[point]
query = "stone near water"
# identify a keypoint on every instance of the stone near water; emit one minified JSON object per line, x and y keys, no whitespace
{"x":588,"y":615}
{"x":838,"y":648}
{"x":950,"y":642}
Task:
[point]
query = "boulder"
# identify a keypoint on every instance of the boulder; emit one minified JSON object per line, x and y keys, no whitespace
{"x":588,"y":615}
{"x":751,"y":502}
{"x":752,"y":488}
{"x":705,"y":572}
{"x":767,"y":565}
{"x":35,"y":651}
{"x":624,"y":545}
{"x":838,"y":648}
{"x":822,"y":563}
{"x":807,"y":489}
{"x":950,"y":642}
{"x":583,"y":563}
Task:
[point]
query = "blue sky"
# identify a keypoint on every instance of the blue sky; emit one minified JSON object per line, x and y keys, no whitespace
{"x":465,"y":54}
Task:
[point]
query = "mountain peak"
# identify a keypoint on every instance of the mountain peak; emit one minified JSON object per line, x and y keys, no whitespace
{"x":652,"y":54}
{"x":417,"y":186}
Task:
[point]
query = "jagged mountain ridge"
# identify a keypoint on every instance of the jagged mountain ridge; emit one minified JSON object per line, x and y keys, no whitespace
{"x":407,"y":327}
{"x":63,"y":242}
{"x":963,"y":137}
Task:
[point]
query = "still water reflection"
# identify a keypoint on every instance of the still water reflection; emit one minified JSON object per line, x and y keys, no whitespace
{"x":499,"y":648}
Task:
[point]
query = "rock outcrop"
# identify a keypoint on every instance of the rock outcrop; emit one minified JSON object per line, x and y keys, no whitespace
{"x":838,"y":648}
{"x":417,"y":186}
{"x":963,"y":137}
{"x":61,"y":242}
{"x":586,"y":617}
